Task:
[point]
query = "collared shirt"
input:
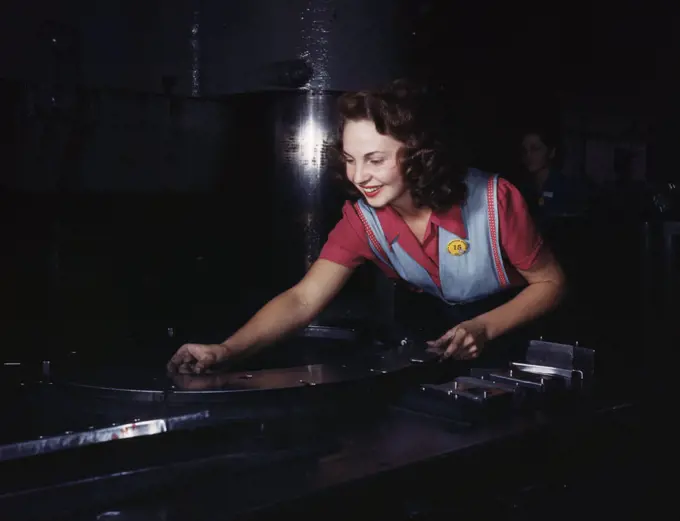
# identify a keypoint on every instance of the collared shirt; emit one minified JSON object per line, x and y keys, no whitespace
{"x":521,"y":243}
{"x":560,"y":195}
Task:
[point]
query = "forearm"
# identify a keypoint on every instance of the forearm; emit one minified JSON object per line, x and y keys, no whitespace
{"x":534,"y":301}
{"x":279,"y":317}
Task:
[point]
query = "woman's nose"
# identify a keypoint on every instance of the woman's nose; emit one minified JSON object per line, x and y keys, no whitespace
{"x":360,"y":175}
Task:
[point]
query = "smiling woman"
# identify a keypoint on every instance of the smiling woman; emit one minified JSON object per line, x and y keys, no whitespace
{"x":461,"y":237}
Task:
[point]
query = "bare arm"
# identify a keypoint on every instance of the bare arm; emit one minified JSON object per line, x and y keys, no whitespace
{"x":292,"y":309}
{"x":545,"y":290}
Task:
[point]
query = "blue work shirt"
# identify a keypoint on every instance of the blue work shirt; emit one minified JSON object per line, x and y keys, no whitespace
{"x":560,"y":196}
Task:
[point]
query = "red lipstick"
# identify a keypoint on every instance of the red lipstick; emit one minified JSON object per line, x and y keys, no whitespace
{"x":372,"y":194}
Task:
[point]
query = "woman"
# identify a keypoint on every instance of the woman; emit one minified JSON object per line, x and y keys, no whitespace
{"x":463,"y":239}
{"x":547,"y":190}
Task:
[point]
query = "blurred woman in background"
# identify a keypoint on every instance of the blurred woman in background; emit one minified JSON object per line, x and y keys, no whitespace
{"x":548,"y":192}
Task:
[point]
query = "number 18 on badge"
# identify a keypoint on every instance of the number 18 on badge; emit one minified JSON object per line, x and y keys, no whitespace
{"x":457,"y":247}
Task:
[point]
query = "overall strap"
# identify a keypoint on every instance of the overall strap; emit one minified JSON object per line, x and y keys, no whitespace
{"x":375,"y":244}
{"x":492,"y":205}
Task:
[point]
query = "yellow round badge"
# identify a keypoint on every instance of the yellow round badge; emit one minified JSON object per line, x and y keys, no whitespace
{"x":457,"y":247}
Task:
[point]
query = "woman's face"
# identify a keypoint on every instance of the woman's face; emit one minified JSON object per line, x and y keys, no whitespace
{"x":536,"y":156}
{"x":372,"y":163}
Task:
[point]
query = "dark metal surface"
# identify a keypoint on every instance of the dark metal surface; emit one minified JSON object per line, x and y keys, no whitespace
{"x":77,"y":401}
{"x":115,"y":402}
{"x":520,"y":387}
{"x":546,"y":370}
{"x":216,"y":486}
{"x":564,"y":356}
{"x":529,"y":381}
{"x":156,"y":385}
{"x":392,"y":443}
{"x":466,"y":400}
{"x":100,"y":434}
{"x":226,"y":469}
{"x":73,"y":481}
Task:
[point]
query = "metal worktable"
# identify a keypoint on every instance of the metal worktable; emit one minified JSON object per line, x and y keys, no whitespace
{"x":402,"y":465}
{"x":381,"y":460}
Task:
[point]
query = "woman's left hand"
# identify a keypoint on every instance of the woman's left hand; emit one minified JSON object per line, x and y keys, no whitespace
{"x":463,"y":342}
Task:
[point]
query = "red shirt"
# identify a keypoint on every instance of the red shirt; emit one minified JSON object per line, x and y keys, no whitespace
{"x":521,"y":243}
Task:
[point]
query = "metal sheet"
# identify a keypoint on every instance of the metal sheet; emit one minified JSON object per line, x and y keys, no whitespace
{"x":563,"y":356}
{"x":527,"y":380}
{"x":545,"y":370}
{"x":475,"y":389}
{"x":70,"y":440}
{"x":124,"y":403}
{"x":156,"y":385}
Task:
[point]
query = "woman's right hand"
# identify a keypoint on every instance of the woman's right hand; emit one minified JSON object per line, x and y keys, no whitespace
{"x":198,"y":358}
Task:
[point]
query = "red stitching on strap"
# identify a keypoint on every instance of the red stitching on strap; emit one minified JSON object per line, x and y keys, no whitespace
{"x":494,"y":233}
{"x":370,"y":234}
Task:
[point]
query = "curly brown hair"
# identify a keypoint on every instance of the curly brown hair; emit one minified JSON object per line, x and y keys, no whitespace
{"x":432,"y":170}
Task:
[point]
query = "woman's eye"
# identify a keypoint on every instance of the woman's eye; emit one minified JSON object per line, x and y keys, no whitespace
{"x":377,"y":161}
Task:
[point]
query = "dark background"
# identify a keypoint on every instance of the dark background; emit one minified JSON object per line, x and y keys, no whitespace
{"x":133,"y":202}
